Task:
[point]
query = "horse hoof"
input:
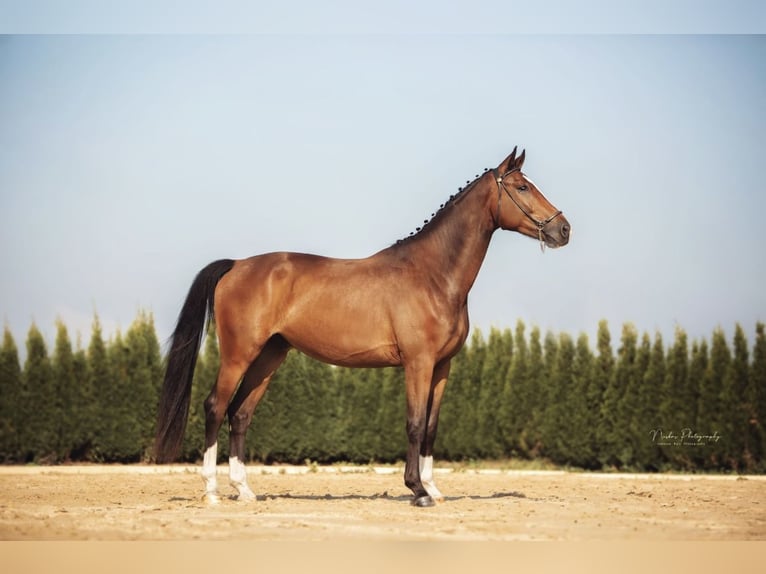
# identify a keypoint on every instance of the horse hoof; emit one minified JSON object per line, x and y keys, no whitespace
{"x":211,"y":499}
{"x":423,"y":501}
{"x":246,"y":496}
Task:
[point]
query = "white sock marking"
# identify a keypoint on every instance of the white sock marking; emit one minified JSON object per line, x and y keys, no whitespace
{"x":209,"y":461}
{"x":426,"y":464}
{"x":238,"y":478}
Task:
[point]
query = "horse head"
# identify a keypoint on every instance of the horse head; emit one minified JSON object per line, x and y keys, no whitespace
{"x":522,"y":207}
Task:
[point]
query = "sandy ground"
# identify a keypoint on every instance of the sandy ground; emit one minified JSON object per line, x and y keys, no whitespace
{"x":302,"y":504}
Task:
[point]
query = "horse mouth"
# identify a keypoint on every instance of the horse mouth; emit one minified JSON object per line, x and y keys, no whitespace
{"x":559,"y":235}
{"x":552,"y":243}
{"x":555,"y":240}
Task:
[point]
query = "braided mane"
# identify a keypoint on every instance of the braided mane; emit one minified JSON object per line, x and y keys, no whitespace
{"x":453,"y":200}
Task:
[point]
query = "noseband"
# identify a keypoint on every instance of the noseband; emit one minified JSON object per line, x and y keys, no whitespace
{"x":539,"y":223}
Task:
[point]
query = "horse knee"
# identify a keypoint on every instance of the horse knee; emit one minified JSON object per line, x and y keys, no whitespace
{"x":415,"y":431}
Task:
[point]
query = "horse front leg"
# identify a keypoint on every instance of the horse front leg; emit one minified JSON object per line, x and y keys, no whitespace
{"x":418,"y":381}
{"x":426,"y":460}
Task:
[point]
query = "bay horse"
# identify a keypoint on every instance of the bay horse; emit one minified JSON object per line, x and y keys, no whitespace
{"x":403,"y":306}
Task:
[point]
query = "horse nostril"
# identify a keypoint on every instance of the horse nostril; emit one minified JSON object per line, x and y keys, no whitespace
{"x":565,"y":230}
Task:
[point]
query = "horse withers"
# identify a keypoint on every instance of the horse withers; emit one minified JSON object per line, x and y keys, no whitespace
{"x":403,"y":306}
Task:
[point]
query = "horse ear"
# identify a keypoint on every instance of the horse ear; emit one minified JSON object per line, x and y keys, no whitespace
{"x":509,"y":161}
{"x":520,"y":160}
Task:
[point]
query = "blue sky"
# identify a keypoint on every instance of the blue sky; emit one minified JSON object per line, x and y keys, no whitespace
{"x":129,"y":162}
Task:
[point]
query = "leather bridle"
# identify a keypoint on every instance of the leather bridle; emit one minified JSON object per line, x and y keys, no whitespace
{"x":539,"y":223}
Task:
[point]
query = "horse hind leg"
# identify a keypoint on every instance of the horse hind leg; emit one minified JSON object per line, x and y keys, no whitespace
{"x":242,"y":407}
{"x":229,"y":375}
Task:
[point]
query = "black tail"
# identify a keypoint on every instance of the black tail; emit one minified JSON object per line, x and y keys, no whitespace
{"x":186,"y":340}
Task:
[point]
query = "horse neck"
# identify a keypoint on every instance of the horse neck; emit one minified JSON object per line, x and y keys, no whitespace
{"x":452,"y":247}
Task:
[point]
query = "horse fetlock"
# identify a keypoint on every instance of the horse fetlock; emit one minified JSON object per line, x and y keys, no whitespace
{"x":413,"y":483}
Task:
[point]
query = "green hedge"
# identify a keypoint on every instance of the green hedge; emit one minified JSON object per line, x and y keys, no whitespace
{"x":645,"y":405}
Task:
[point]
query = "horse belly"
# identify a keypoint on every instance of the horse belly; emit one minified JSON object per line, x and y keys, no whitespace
{"x":344,"y":333}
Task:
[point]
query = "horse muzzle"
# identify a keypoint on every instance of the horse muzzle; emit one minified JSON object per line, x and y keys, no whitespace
{"x":556,"y":233}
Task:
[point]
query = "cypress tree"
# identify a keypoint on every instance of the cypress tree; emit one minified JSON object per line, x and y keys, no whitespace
{"x":11,"y":391}
{"x":602,"y":375}
{"x":38,"y":434}
{"x":679,"y":389}
{"x":64,"y":399}
{"x":100,"y":384}
{"x":152,"y":360}
{"x":472,"y":391}
{"x":652,"y":396}
{"x":320,"y":400}
{"x":630,"y":365}
{"x":758,"y":398}
{"x":356,"y":383}
{"x":515,"y":407}
{"x":340,"y":412}
{"x":307,"y":412}
{"x":497,"y":362}
{"x":301,"y":393}
{"x":362,"y":411}
{"x":131,"y":397}
{"x":546,"y":393}
{"x":698,"y":367}
{"x":678,"y":409}
{"x":615,"y":434}
{"x":142,"y":380}
{"x":84,"y":408}
{"x":711,"y":414}
{"x":559,"y":419}
{"x":736,"y":423}
{"x":639,"y":407}
{"x":530,"y":434}
{"x":297,"y":397}
{"x":751,"y":457}
{"x":580,"y":440}
{"x":118,"y":430}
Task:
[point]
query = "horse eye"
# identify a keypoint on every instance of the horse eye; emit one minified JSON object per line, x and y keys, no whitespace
{"x":522,"y":188}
